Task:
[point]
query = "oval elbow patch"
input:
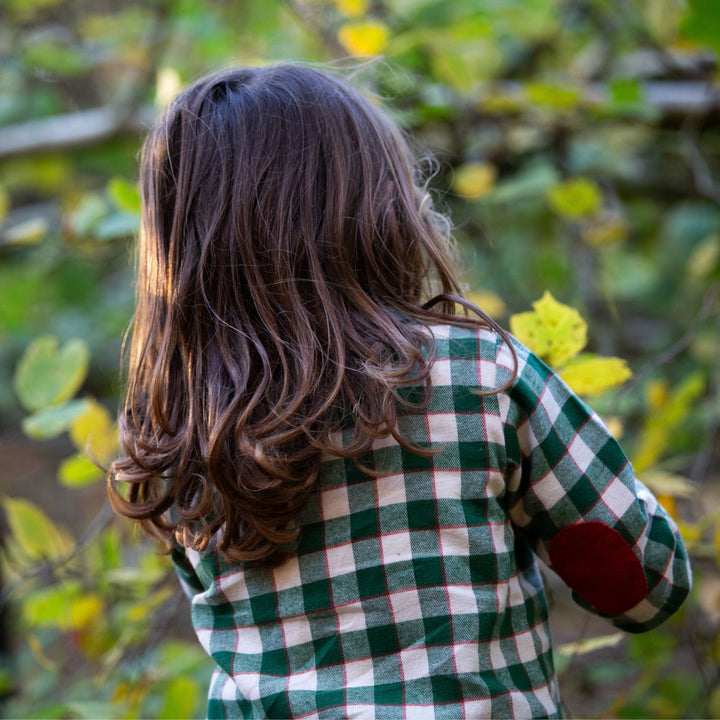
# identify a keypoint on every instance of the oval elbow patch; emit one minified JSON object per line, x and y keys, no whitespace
{"x":596,"y":562}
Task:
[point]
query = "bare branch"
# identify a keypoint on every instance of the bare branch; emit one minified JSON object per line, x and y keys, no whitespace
{"x":708,"y":308}
{"x":687,"y":99}
{"x":101,"y":519}
{"x":72,"y":130}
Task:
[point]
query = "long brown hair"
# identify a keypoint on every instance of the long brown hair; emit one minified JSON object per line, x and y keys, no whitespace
{"x":288,"y":260}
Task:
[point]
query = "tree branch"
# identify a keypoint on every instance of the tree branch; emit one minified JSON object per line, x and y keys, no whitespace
{"x":61,"y":132}
{"x":89,"y":127}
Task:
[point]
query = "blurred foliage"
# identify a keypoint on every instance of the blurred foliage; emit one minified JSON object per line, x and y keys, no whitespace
{"x":578,"y":150}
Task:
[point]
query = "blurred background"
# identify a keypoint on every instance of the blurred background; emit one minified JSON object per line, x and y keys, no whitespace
{"x":577,"y":149}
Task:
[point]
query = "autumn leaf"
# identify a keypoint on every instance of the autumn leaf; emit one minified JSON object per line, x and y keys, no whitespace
{"x":552,"y":96}
{"x":589,"y":374}
{"x":668,"y":410}
{"x":606,"y":231}
{"x":666,"y":484}
{"x":553,"y":331}
{"x":364,"y":38}
{"x":94,"y":433}
{"x":488,"y":301}
{"x":474,"y":180}
{"x":33,"y":534}
{"x":352,"y":8}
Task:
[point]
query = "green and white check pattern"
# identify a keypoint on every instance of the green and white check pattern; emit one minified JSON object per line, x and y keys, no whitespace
{"x":415,"y":593}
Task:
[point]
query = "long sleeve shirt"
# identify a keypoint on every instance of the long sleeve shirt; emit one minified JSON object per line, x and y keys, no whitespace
{"x":414,"y":592}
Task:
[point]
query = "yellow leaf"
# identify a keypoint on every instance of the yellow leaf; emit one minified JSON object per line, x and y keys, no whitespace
{"x":657,"y":393}
{"x":4,"y":204}
{"x":496,"y":102}
{"x":36,"y":536}
{"x":608,"y":231}
{"x":142,"y":610}
{"x":488,"y":301}
{"x":670,"y":505}
{"x":94,"y":433}
{"x":85,"y":611}
{"x":704,"y":258}
{"x":39,"y":655}
{"x":665,"y":484}
{"x":575,"y":198}
{"x":182,"y":694}
{"x":364,"y":38}
{"x":553,"y":331}
{"x":474,"y":180}
{"x":589,"y":374}
{"x":714,"y":703}
{"x":352,"y":8}
{"x":581,"y":647}
{"x":552,"y":96}
{"x":692,"y":533}
{"x":663,"y":419}
{"x":167,"y":85}
{"x":615,"y":426}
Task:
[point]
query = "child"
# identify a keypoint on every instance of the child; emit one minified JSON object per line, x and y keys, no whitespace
{"x":353,"y":479}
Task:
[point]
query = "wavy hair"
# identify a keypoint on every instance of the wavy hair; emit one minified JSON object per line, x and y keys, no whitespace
{"x":289,"y":260}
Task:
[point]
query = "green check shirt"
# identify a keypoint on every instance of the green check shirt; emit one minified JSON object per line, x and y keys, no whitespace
{"x":415,"y":592}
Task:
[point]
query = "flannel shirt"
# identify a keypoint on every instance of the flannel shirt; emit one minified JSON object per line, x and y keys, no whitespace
{"x":414,"y":592}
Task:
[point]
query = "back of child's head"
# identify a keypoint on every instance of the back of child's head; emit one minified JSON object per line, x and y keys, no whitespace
{"x":286,"y":253}
{"x":264,"y":182}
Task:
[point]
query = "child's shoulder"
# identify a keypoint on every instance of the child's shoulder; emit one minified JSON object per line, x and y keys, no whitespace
{"x":473,"y":356}
{"x":460,"y":342}
{"x":494,"y":355}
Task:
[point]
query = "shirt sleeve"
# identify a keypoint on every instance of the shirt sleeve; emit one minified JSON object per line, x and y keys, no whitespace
{"x":572,"y":492}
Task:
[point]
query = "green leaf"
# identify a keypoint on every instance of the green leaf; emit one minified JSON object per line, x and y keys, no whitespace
{"x":124,"y":195}
{"x":117,"y":225}
{"x":52,"y":56}
{"x":87,"y":215}
{"x":557,"y":97}
{"x":702,"y":23}
{"x":181,"y":698}
{"x":4,"y":204}
{"x":78,"y":470}
{"x":176,"y":658}
{"x":625,"y":91}
{"x":37,"y":537}
{"x":93,"y":709}
{"x":64,"y":606}
{"x":51,"y":421}
{"x":530,"y":182}
{"x":575,"y":198}
{"x":49,"y":375}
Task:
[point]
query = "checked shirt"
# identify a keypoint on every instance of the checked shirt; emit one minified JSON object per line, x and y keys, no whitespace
{"x":414,"y":592}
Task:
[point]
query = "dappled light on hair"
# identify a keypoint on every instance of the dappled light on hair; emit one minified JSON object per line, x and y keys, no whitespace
{"x":287,"y":264}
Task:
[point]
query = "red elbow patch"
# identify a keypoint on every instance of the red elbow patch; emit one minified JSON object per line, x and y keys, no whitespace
{"x":595,"y":561}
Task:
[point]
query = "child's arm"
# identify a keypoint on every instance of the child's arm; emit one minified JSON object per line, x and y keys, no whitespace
{"x":573,"y":493}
